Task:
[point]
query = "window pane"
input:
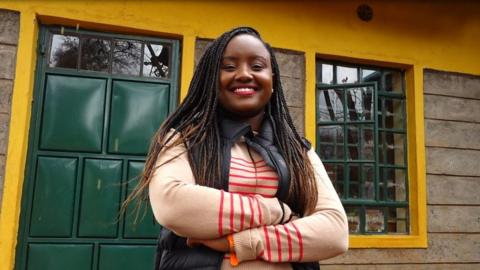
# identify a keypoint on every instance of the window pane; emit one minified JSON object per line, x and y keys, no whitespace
{"x":327,"y":74}
{"x":335,"y":172}
{"x":64,"y":52}
{"x":330,"y":142}
{"x":397,"y":220}
{"x":127,"y":57}
{"x":360,"y":142}
{"x":393,"y":81}
{"x":330,"y":105}
{"x":156,"y":60}
{"x":353,"y":216}
{"x":370,"y":75}
{"x":354,"y":181}
{"x":346,"y":75}
{"x":368,"y":182}
{"x":394,"y":179}
{"x":95,"y":54}
{"x":391,"y":148}
{"x":360,"y":104}
{"x":374,"y":220}
{"x":393,"y":113}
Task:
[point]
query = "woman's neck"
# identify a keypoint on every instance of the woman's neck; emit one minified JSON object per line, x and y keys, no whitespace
{"x":254,"y":121}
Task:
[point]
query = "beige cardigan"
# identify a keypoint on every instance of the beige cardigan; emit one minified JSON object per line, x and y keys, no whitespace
{"x":249,"y":211}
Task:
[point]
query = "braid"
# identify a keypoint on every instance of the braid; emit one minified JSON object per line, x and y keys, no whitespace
{"x":195,"y":120}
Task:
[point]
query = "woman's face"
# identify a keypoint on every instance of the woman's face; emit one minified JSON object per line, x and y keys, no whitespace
{"x":245,"y":77}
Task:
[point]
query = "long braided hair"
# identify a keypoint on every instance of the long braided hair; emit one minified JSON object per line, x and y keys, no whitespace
{"x":195,"y":120}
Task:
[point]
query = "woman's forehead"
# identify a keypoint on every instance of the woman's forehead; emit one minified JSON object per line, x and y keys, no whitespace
{"x":245,"y":44}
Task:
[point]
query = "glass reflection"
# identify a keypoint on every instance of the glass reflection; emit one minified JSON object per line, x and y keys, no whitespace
{"x":393,"y":81}
{"x":64,"y":52}
{"x":327,"y":74}
{"x":156,"y":60}
{"x":369,"y":182}
{"x":392,"y":148}
{"x":395,"y":180}
{"x":397,"y":220}
{"x":346,"y":75}
{"x":354,"y":181}
{"x":360,"y":140}
{"x":360,"y":104}
{"x":127,"y":57}
{"x":370,"y":75}
{"x":330,"y":105}
{"x":374,"y":220}
{"x":95,"y":54}
{"x":331,"y":142}
{"x":394,"y":113}
{"x":335,"y":172}
{"x":353,"y":216}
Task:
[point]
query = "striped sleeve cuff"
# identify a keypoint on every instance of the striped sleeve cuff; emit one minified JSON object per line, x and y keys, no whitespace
{"x":247,"y":244}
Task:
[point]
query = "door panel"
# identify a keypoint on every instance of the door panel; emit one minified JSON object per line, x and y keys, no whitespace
{"x":73,"y":114}
{"x":100,"y":198}
{"x":138,"y":109}
{"x":126,"y":257}
{"x":54,"y":197}
{"x":60,"y":257}
{"x":134,"y":229}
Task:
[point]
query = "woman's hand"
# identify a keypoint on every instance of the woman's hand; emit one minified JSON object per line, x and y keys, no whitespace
{"x":219,"y":244}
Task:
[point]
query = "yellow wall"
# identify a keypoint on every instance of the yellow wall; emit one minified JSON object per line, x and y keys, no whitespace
{"x":443,"y":36}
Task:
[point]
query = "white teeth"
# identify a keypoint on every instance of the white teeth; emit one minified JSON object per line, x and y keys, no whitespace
{"x":244,"y":90}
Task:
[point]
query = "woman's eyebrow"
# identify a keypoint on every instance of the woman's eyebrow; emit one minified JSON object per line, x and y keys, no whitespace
{"x":229,"y":58}
{"x":260,"y":57}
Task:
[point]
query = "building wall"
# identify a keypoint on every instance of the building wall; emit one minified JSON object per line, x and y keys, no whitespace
{"x":9,"y":25}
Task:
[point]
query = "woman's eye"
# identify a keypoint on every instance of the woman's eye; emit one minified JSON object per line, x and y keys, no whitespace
{"x":228,"y":67}
{"x":257,"y":67}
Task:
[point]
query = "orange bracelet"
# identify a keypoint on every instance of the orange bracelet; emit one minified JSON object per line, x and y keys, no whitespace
{"x":233,"y":256}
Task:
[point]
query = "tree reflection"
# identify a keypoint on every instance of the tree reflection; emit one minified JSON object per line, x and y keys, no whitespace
{"x":126,"y":57}
{"x":97,"y":55}
{"x":64,"y":51}
{"x":158,"y":63}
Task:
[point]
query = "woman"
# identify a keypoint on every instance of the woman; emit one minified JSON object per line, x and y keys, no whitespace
{"x":230,"y":179}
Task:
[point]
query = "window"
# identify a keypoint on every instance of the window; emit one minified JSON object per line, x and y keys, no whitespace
{"x":110,"y":55}
{"x":361,"y":139}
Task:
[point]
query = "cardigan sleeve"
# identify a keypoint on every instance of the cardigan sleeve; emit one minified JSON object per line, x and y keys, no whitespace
{"x":320,"y":235}
{"x":200,"y":212}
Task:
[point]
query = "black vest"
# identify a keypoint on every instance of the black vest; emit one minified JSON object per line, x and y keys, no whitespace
{"x":172,"y":250}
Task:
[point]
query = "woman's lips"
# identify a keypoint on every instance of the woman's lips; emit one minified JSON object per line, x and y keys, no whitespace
{"x":244,"y":91}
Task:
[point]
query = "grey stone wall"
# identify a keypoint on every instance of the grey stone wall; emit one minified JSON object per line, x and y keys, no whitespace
{"x":452,"y":138}
{"x":9,"y":27}
{"x":292,"y":75}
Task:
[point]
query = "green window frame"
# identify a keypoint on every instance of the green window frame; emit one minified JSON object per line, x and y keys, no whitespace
{"x":361,"y":138}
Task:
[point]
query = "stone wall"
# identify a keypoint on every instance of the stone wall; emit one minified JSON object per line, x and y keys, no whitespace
{"x":292,"y":75}
{"x":9,"y":27}
{"x":452,"y":138}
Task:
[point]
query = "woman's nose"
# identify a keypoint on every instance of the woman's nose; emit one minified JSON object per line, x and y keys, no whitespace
{"x":244,"y":73}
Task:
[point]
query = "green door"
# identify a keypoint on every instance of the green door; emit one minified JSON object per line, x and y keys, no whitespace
{"x":99,"y":98}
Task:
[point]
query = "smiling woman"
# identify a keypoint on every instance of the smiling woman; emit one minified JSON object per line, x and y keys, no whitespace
{"x":246,"y":79}
{"x":229,"y":178}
